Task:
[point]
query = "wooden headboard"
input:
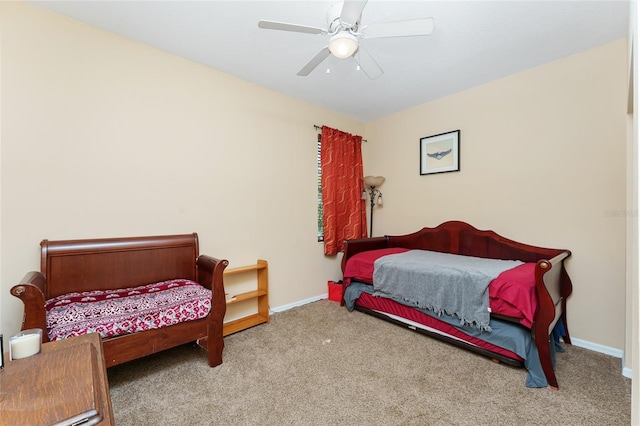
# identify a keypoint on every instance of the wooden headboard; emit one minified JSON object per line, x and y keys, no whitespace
{"x":456,"y":237}
{"x":111,"y":263}
{"x":461,"y":238}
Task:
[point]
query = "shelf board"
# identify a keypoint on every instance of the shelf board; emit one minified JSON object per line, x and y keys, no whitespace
{"x":243,"y":323}
{"x":256,"y":267}
{"x":254,"y":294}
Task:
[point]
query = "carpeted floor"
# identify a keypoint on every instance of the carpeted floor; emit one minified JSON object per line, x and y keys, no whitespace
{"x":319,"y":364}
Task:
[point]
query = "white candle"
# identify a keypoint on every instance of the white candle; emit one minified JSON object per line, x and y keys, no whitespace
{"x":25,"y":343}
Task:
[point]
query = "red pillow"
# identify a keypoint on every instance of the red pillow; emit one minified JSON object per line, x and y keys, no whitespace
{"x":513,"y":293}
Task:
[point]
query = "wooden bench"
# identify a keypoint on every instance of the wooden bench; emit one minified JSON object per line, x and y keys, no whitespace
{"x":115,"y":263}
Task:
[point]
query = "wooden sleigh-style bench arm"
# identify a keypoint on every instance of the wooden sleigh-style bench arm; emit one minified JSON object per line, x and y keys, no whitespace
{"x":31,"y":291}
{"x":209,"y":273}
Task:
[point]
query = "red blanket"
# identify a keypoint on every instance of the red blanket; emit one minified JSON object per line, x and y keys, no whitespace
{"x":512,"y":293}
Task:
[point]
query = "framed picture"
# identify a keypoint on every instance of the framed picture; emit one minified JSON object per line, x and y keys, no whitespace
{"x":440,"y":153}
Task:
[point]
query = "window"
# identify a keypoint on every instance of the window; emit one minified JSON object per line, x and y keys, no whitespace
{"x":320,"y":224}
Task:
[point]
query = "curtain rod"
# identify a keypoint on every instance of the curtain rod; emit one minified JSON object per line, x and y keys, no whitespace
{"x":320,"y":128}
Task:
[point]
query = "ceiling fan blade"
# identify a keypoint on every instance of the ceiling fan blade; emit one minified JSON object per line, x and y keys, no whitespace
{"x":314,"y":62}
{"x":282,"y":26}
{"x":413,"y":27}
{"x":351,"y":11}
{"x":367,"y":64}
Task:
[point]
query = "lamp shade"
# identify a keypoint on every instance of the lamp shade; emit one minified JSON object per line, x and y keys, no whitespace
{"x":374,"y":181}
{"x":343,"y":44}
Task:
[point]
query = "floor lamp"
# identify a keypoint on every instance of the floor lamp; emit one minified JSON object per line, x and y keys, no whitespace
{"x":371,"y":184}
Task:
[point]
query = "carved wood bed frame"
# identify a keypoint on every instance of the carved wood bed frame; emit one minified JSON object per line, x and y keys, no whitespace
{"x":113,"y":263}
{"x":553,"y":284}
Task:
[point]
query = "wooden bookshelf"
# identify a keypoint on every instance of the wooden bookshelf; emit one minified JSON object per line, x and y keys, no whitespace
{"x":261,"y":294}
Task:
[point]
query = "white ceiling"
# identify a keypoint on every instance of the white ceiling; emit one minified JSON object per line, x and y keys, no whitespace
{"x":473,"y":42}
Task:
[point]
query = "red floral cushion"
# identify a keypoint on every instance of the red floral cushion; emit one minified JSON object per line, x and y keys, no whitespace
{"x":129,"y":310}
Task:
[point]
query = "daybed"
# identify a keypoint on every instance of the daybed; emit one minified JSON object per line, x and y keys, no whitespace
{"x":514,"y":312}
{"x":142,"y":294}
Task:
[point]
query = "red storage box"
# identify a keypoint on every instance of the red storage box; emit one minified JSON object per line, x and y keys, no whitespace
{"x":335,"y":291}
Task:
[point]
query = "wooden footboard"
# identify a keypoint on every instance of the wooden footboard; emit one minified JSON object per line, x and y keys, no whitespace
{"x":553,"y":285}
{"x":113,"y":263}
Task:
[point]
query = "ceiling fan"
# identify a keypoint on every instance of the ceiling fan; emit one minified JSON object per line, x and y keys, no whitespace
{"x":344,"y":29}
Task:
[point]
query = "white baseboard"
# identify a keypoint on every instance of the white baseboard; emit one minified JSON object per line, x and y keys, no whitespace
{"x":607,"y":350}
{"x":299,"y":303}
{"x":596,"y":347}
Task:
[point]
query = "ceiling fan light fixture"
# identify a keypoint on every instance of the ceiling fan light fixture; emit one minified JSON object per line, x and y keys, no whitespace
{"x":343,"y":45}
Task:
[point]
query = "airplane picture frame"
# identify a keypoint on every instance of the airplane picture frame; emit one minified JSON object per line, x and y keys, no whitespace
{"x":440,"y":153}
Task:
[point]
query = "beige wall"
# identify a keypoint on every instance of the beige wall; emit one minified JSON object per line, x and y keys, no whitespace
{"x":542,"y":157}
{"x":103,"y":137}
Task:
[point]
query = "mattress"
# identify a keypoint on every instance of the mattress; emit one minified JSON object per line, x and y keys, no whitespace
{"x":125,"y":311}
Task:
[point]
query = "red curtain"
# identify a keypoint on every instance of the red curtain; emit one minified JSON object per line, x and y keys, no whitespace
{"x":343,"y":210}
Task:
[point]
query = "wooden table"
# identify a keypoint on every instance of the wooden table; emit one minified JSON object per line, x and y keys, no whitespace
{"x":68,"y":378}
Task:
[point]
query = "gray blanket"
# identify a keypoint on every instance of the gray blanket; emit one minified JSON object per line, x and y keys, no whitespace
{"x":441,"y":282}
